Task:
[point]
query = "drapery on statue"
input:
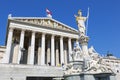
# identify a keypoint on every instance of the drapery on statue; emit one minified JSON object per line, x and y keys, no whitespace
{"x":81,"y":23}
{"x":96,"y":63}
{"x":77,"y":53}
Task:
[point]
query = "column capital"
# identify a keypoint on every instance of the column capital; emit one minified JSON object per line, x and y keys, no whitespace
{"x":69,"y":38}
{"x":11,"y":29}
{"x":53,"y":35}
{"x":23,"y":29}
{"x":43,"y":33}
{"x":61,"y":36}
{"x":33,"y":32}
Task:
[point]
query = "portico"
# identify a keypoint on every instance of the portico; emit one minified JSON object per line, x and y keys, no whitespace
{"x":40,"y":45}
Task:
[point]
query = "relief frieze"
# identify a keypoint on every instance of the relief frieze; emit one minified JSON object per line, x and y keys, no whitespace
{"x":46,"y":23}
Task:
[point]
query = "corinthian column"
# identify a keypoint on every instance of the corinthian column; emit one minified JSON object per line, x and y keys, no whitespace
{"x":69,"y":49}
{"x":21,"y":45}
{"x":61,"y":50}
{"x":43,"y":50}
{"x":57,"y":53}
{"x":8,"y":47}
{"x":65,"y":53}
{"x":31,"y":61}
{"x":15,"y":53}
{"x":29,"y":51}
{"x":48,"y":51}
{"x":39,"y":52}
{"x":52,"y":51}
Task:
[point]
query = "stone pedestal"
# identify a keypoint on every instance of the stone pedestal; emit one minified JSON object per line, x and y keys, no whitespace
{"x":84,"y":44}
{"x":73,"y":73}
{"x":90,"y":76}
{"x":77,"y":65}
{"x":73,"y":77}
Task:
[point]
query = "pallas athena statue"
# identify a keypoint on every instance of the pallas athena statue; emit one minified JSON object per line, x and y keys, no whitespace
{"x":81,"y":23}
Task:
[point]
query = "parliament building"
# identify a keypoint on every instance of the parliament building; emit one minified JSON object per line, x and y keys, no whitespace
{"x":36,"y":47}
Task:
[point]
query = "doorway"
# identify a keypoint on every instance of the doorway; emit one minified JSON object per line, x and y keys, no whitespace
{"x":39,"y":78}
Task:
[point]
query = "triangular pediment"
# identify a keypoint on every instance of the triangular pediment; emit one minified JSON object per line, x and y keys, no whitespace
{"x":46,"y":22}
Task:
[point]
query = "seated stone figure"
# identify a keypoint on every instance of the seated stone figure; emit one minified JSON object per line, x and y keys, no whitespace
{"x":71,"y":70}
{"x":96,"y":64}
{"x":77,"y":53}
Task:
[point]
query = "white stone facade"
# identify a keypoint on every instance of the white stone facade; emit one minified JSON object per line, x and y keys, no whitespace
{"x":114,"y":63}
{"x":36,"y":47}
{"x":21,"y":72}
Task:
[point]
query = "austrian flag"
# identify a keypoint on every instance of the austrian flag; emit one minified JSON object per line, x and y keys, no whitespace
{"x":47,"y":11}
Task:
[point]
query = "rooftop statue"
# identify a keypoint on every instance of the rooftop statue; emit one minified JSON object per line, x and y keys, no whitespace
{"x":81,"y":23}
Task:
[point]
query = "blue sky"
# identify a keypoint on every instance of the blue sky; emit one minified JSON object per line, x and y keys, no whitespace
{"x":104,"y":20}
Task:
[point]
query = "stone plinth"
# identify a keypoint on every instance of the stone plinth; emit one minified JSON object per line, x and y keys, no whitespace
{"x":21,"y":72}
{"x":73,"y":70}
{"x":72,"y":77}
{"x":89,"y":76}
{"x":77,"y":65}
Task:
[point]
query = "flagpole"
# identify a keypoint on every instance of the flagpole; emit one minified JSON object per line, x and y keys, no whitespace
{"x":87,"y":21}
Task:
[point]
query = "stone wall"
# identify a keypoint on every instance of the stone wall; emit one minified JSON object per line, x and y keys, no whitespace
{"x":2,"y":52}
{"x":21,"y":72}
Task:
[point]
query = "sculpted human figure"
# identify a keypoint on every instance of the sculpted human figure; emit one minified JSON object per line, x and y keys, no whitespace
{"x":96,"y":63}
{"x":77,"y":53}
{"x":81,"y":23}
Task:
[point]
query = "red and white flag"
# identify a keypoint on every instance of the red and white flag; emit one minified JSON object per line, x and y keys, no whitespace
{"x":48,"y":12}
